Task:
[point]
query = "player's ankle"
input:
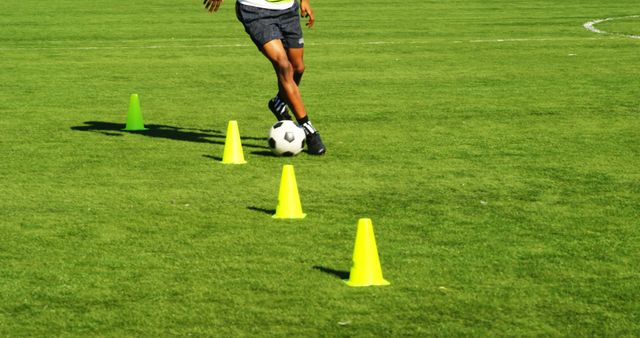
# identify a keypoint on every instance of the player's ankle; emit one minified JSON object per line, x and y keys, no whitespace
{"x":306,"y":125}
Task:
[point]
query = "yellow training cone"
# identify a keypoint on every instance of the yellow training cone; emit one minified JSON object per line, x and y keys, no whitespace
{"x":366,"y":268}
{"x":288,"y":198}
{"x":233,"y":146}
{"x":134,"y":118}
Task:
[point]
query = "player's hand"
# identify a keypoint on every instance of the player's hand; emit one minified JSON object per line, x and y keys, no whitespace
{"x":212,"y":5}
{"x":307,"y":12}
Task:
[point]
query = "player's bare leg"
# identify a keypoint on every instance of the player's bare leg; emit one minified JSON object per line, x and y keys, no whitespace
{"x":276,"y":53}
{"x":278,"y":105}
{"x":296,"y":57}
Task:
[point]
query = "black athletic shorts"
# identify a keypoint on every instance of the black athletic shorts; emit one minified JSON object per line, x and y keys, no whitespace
{"x":264,"y":25}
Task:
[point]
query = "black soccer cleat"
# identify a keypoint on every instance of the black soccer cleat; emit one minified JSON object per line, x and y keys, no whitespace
{"x":279,"y":109}
{"x":315,"y":145}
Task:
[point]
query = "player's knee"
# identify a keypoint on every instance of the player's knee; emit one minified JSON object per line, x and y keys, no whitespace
{"x":298,"y":68}
{"x":283,"y":66}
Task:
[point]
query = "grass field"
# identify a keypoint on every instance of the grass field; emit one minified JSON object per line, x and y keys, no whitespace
{"x":494,"y":144}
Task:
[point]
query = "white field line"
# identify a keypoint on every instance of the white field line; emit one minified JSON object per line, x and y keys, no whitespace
{"x":591,"y":26}
{"x":245,"y":45}
{"x":588,"y":25}
{"x":525,"y":40}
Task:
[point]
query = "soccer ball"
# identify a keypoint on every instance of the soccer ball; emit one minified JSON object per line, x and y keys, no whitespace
{"x":286,"y":138}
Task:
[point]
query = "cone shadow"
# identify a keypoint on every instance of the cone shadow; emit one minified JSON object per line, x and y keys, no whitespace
{"x":337,"y":273}
{"x":215,"y":158}
{"x":263,"y":210}
{"x":164,"y":131}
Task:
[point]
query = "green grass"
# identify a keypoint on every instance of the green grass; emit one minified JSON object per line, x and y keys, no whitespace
{"x":624,"y":25}
{"x":494,"y":144}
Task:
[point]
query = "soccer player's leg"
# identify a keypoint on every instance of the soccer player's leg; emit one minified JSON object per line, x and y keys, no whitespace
{"x":262,"y":27}
{"x":293,"y":41}
{"x":277,"y":104}
{"x":274,"y":51}
{"x":314,"y":141}
{"x":279,"y":108}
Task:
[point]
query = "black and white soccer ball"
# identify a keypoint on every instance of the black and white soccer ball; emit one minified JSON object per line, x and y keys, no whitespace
{"x":286,"y":138}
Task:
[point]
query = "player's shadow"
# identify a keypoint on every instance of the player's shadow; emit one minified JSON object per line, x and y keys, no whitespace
{"x":337,"y":273}
{"x":168,"y":132}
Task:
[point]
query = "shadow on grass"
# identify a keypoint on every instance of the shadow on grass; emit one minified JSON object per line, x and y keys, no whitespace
{"x":337,"y":273}
{"x":167,"y":132}
{"x":264,"y":153}
{"x":263,"y":210}
{"x":215,"y":158}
